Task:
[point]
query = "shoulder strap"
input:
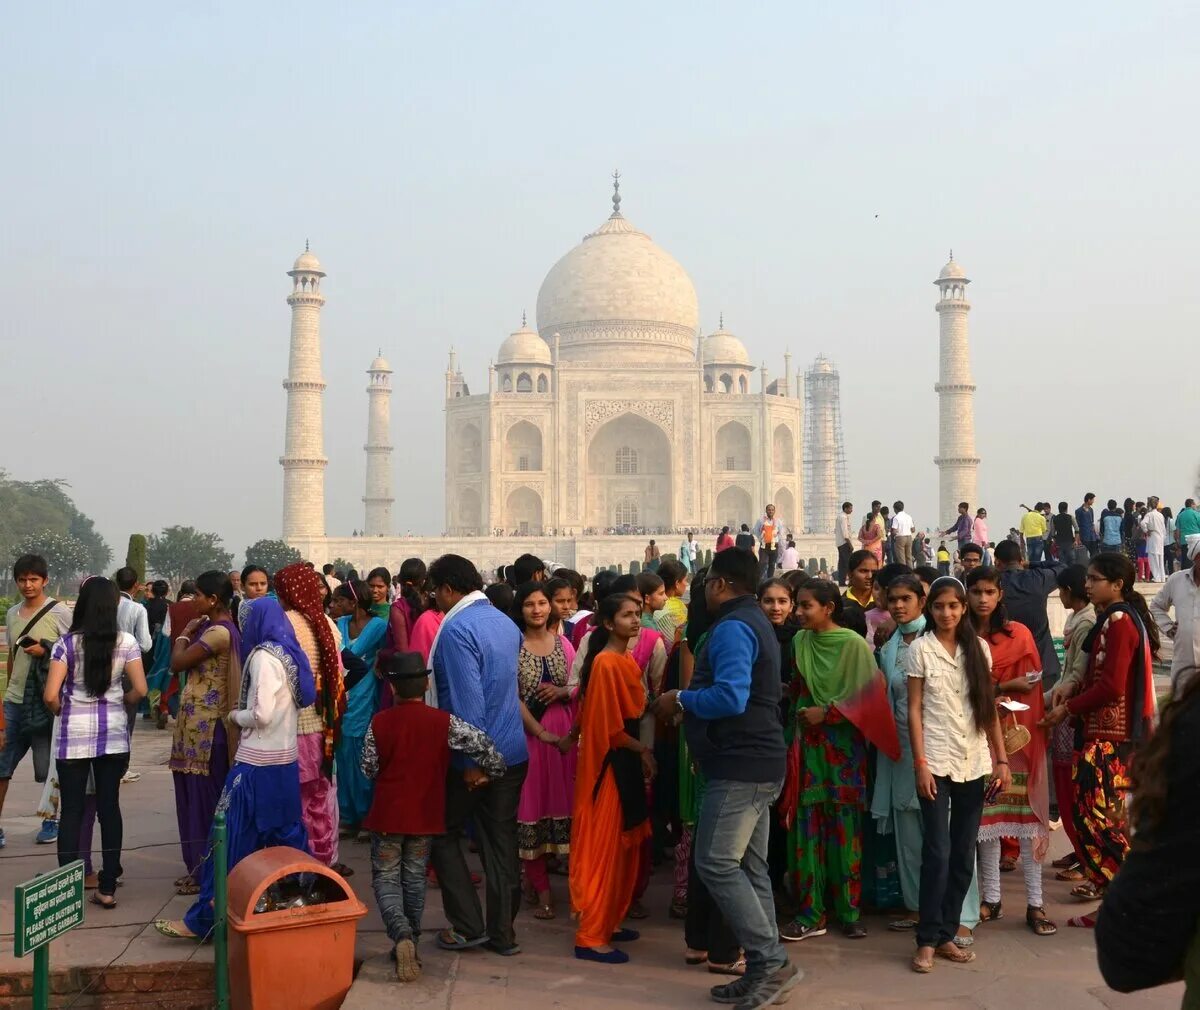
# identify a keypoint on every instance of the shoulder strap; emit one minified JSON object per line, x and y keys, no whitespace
{"x":50,"y":605}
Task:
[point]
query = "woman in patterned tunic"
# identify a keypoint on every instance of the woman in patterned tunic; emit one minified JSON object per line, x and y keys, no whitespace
{"x":205,"y":655}
{"x":548,"y":712}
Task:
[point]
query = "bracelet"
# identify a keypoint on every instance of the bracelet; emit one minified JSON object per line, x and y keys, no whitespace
{"x":184,"y":638}
{"x":920,"y":762}
{"x":1000,"y":762}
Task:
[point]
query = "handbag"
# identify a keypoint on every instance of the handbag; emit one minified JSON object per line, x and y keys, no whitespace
{"x":1016,"y":736}
{"x":36,"y":718}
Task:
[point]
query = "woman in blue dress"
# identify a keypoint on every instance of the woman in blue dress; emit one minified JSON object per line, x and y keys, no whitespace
{"x":363,"y":634}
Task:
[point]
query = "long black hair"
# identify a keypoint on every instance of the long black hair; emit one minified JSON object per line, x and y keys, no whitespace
{"x":699,"y":620}
{"x":412,"y":589}
{"x":218,"y":585}
{"x":95,"y":621}
{"x":606,"y":610}
{"x":980,"y":688}
{"x":998,"y":618}
{"x":359,"y":593}
{"x":1115,"y":566}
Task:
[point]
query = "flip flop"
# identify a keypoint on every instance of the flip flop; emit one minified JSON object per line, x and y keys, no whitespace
{"x":921,"y":967}
{"x":955,"y":954}
{"x":1072,"y":876}
{"x":1086,"y":891}
{"x":695,"y":957}
{"x":545,"y":913}
{"x":450,"y":939}
{"x":189,"y":888}
{"x":900,"y":925}
{"x":165,"y":927}
{"x":96,"y":898}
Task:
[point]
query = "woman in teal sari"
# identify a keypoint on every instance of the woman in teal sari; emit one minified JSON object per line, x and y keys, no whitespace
{"x":362,"y":635}
{"x":894,"y":805}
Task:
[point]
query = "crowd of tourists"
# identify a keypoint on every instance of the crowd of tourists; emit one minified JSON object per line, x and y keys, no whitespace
{"x":801,"y":752}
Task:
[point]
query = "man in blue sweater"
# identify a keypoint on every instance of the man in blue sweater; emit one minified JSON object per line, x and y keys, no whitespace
{"x":731,"y":718}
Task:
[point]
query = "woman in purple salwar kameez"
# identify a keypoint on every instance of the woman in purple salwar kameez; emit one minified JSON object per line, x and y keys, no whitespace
{"x":206,"y":655}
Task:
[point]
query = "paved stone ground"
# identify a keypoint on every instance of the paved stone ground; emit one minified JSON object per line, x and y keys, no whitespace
{"x":1015,"y":969}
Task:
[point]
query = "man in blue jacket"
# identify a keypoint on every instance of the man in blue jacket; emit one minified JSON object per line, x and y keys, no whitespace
{"x":731,"y":718}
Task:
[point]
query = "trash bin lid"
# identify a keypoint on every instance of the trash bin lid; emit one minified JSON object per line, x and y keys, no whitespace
{"x":259,"y":870}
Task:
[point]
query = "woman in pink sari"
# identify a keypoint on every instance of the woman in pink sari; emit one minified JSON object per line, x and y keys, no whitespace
{"x":870,"y":535}
{"x":548,"y":713}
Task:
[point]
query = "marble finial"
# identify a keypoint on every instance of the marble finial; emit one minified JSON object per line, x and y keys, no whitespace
{"x":616,"y":197}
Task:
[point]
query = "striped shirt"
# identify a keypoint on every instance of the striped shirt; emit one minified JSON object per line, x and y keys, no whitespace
{"x":91,"y":727}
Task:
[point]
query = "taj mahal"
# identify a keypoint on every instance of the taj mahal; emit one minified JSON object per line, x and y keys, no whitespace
{"x":610,"y":419}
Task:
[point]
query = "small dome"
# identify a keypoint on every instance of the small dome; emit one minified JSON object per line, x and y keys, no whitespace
{"x":380,"y":365}
{"x":524,"y":347}
{"x":723,"y":348}
{"x":307,"y":262}
{"x":823,"y":365}
{"x":952,"y":272}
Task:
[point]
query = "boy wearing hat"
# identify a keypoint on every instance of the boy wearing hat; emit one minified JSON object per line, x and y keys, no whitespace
{"x":407,"y":753}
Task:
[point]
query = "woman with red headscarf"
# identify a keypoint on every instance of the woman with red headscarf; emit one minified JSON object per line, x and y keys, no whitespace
{"x":302,"y":592}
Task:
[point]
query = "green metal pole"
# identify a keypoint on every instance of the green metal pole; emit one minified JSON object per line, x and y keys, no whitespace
{"x":41,"y":977}
{"x":220,"y":910}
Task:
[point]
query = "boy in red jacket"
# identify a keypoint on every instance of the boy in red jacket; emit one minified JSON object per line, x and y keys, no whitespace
{"x":407,"y":752}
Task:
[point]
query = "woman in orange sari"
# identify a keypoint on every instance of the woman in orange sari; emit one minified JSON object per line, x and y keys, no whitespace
{"x":1022,"y":813}
{"x":610,"y":817}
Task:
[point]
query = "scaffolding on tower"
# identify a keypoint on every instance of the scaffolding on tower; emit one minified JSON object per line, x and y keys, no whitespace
{"x":825,"y":483}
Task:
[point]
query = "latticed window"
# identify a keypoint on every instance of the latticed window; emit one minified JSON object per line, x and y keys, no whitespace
{"x":523,"y":463}
{"x":626,"y":512}
{"x":627,"y":460}
{"x":730,"y":463}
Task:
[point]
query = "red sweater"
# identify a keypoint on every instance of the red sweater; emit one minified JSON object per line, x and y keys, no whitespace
{"x":412,"y":741}
{"x":1106,"y":702}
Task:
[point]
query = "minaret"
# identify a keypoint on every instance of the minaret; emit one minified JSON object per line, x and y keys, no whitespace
{"x":378,"y":499}
{"x":956,"y":460}
{"x":824,"y":456}
{"x":303,"y":456}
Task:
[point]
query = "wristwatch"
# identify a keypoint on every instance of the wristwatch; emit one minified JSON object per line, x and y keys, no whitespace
{"x":679,"y":704}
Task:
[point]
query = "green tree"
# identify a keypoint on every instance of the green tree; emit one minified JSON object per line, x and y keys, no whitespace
{"x":341,"y":565}
{"x":66,"y":557}
{"x":135,"y":555}
{"x":31,"y":508}
{"x":181,"y":552}
{"x":272,"y":555}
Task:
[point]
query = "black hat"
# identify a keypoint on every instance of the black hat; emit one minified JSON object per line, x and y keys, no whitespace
{"x":404,"y":666}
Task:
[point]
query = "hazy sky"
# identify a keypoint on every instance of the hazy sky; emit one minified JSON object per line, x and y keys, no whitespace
{"x":808,"y":164}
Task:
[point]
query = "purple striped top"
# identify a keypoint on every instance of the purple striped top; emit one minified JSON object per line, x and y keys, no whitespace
{"x":89,"y":727}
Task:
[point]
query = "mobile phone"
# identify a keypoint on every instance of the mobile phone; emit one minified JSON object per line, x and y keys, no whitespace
{"x":993,"y":792}
{"x":26,"y":642}
{"x":1034,"y":677}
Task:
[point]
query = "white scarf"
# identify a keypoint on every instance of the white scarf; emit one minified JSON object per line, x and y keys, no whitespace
{"x":431,"y":698}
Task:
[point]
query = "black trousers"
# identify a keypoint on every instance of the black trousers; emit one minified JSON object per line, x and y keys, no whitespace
{"x":843,"y":569}
{"x":493,"y":809}
{"x":72,"y":785}
{"x":951,"y":823}
{"x":705,"y":927}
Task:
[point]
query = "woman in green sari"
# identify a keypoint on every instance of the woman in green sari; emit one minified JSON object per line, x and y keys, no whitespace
{"x":840,"y":703}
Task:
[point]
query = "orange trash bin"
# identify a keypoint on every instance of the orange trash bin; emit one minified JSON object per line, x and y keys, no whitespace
{"x":293,"y":958}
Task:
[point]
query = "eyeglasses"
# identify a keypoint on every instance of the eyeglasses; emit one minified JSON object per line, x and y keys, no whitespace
{"x":1095,"y":578}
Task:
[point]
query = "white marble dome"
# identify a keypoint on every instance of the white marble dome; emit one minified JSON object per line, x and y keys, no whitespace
{"x":952,"y":272}
{"x":524,"y":347}
{"x":308,"y":263}
{"x":619,"y":293}
{"x":380,"y":365}
{"x":723,"y":348}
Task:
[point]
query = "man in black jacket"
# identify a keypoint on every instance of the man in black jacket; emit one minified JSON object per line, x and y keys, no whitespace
{"x":731,"y":718}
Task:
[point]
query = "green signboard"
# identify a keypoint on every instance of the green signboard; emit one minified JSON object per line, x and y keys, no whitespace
{"x":48,"y":906}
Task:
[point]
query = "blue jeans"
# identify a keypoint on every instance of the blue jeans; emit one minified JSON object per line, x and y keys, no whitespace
{"x":731,"y":858}
{"x":398,"y":876}
{"x":17,"y":745}
{"x":1036,"y":546}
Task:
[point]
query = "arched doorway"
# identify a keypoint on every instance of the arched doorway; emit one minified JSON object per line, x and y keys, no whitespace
{"x":629,"y":463}
{"x":523,"y":512}
{"x":785,"y":507}
{"x":734,"y":508}
{"x":470,"y":515}
{"x":470,"y":450}
{"x":733,"y":447}
{"x":523,"y":447}
{"x":783,"y":450}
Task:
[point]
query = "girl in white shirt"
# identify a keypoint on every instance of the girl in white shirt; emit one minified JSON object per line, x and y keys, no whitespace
{"x":261,"y":799}
{"x":952,"y":718}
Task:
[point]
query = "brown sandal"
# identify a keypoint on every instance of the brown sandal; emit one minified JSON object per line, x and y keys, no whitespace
{"x":1035,"y":919}
{"x":990,"y":911}
{"x":919,"y":966}
{"x":953,"y":953}
{"x":544,"y":912}
{"x":1072,"y":876}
